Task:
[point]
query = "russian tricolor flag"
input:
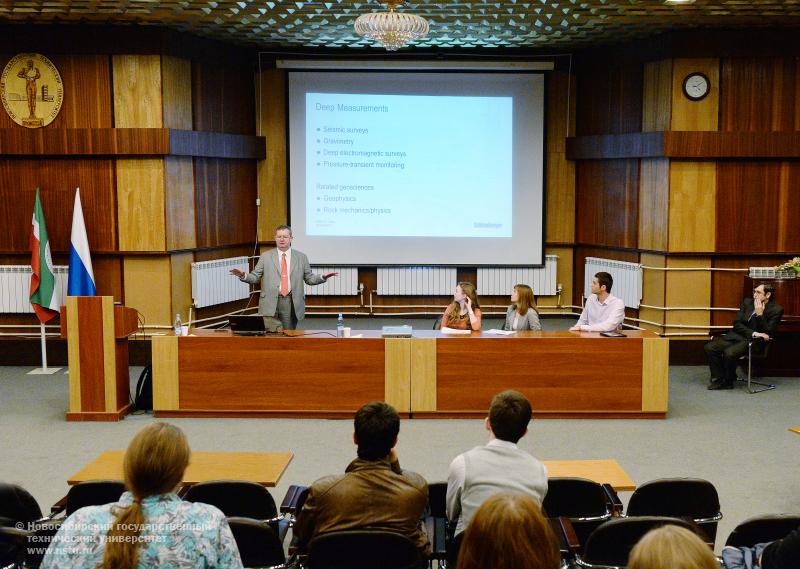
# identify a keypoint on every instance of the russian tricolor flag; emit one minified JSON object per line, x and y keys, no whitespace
{"x":81,"y":275}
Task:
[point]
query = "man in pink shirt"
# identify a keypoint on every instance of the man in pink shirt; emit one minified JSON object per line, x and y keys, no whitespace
{"x":603,"y":312}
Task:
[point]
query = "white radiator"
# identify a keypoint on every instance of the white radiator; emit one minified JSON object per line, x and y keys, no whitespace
{"x":15,"y":287}
{"x":213,"y":284}
{"x":501,"y":280}
{"x":344,"y":284}
{"x":417,"y":281}
{"x":627,"y":279}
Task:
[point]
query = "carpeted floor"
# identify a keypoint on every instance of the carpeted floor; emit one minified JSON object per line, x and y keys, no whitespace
{"x":739,"y":442}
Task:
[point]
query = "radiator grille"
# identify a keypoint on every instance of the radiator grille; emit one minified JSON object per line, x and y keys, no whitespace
{"x":213,"y":284}
{"x":416,"y":281}
{"x":627,"y":279}
{"x":500,"y":280}
{"x":15,"y":287}
{"x":345,"y":284}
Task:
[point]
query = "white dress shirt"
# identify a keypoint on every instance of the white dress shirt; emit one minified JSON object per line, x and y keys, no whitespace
{"x":603,"y":316}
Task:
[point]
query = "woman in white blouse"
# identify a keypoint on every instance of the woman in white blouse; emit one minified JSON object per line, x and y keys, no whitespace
{"x":522,"y":313}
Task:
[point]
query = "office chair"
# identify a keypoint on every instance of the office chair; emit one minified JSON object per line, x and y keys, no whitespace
{"x":17,"y":505}
{"x":761,"y":357}
{"x":586,"y":504}
{"x":241,"y":499}
{"x":692,"y":498}
{"x":13,"y":543}
{"x":90,"y":493}
{"x":610,"y":544}
{"x":437,"y":324}
{"x":364,"y":549}
{"x":763,"y":529}
{"x":259,"y":545}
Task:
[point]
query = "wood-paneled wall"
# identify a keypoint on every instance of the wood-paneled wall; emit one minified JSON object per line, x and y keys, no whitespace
{"x":609,"y":97}
{"x":716,"y":209}
{"x":148,"y":215}
{"x":225,"y":201}
{"x":223,"y":98}
{"x":607,"y":195}
{"x":57,"y":180}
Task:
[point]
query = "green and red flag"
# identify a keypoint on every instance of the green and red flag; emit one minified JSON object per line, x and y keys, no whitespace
{"x":45,"y":296}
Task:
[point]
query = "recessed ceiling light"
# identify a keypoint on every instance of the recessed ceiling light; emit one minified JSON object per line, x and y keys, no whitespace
{"x":678,"y":2}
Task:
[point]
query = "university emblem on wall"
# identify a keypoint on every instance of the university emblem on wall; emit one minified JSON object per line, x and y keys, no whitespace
{"x":31,"y":90}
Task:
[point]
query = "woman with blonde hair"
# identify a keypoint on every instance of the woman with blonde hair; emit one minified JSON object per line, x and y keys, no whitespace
{"x":150,"y":526}
{"x":464,"y":313}
{"x":672,"y":547}
{"x":522,"y":315}
{"x":509,"y":531}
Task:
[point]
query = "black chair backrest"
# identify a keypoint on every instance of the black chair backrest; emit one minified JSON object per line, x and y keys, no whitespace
{"x":762,"y":529}
{"x":577,"y":498}
{"x":17,"y":505}
{"x":40,"y":539}
{"x":437,"y":499}
{"x":574,"y":498}
{"x":437,"y":324}
{"x":678,"y":498}
{"x":93,"y":493}
{"x":611,"y":543}
{"x":235,"y":498}
{"x":364,"y":549}
{"x":13,"y":542}
{"x":259,"y":545}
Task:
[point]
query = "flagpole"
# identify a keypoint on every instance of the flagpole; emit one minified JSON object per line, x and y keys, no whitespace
{"x":44,"y":370}
{"x":44,"y":346}
{"x":44,"y":293}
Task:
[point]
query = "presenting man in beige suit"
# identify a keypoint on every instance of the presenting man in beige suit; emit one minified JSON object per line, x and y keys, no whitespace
{"x":282,"y":272}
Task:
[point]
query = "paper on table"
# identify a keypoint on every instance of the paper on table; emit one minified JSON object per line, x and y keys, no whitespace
{"x":497,"y":332}
{"x":454,"y":331}
{"x":356,"y":336}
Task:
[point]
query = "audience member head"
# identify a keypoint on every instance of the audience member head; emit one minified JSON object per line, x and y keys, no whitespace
{"x":154,"y":464}
{"x":509,"y":531}
{"x":509,"y":415}
{"x":376,"y":427}
{"x":672,"y":547}
{"x":522,"y":298}
{"x":604,"y":280}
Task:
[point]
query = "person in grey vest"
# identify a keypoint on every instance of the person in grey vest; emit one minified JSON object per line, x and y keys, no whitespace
{"x":499,"y":466}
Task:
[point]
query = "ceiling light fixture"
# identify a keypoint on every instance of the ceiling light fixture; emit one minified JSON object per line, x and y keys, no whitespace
{"x":391,"y":29}
{"x":678,"y":2}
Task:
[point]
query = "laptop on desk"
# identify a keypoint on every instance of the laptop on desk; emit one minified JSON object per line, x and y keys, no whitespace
{"x":246,"y":325}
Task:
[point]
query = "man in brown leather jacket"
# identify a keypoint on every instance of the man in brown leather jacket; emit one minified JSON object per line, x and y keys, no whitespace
{"x":374,"y":492}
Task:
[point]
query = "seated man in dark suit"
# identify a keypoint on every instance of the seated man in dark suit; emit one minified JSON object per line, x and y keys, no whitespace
{"x":756,"y":321}
{"x":373,"y":493}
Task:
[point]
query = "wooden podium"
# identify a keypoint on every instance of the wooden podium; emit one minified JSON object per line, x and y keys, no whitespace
{"x":97,"y":345}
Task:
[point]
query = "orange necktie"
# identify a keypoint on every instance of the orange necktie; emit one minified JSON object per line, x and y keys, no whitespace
{"x":284,"y":276}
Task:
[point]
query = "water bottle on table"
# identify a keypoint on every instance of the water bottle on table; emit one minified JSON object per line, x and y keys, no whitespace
{"x":178,"y":328}
{"x":340,"y":327}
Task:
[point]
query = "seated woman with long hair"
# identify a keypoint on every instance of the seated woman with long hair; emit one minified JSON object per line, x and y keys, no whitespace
{"x":509,"y":531}
{"x":522,"y":315}
{"x":150,"y":526}
{"x":464,"y":313}
{"x":672,"y":547}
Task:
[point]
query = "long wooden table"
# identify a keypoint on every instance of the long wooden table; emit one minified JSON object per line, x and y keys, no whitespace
{"x":313,"y":374}
{"x":265,"y":468}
